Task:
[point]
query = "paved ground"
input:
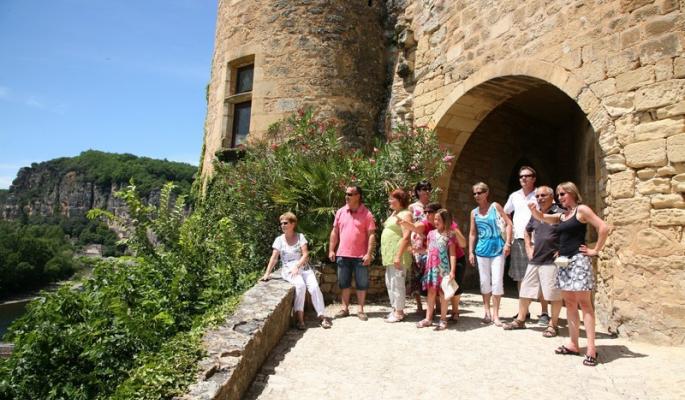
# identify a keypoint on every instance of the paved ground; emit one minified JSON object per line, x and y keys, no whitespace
{"x":377,"y":360}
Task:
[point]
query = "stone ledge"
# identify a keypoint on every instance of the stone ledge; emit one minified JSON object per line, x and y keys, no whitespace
{"x":237,"y":348}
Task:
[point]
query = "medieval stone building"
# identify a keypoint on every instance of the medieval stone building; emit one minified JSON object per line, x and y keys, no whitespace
{"x":590,"y":91}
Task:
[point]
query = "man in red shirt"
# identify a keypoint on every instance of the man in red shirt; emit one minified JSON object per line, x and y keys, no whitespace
{"x":352,"y":244}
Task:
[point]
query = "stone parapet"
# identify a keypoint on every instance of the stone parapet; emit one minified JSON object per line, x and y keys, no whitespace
{"x":237,"y":348}
{"x":331,"y":291}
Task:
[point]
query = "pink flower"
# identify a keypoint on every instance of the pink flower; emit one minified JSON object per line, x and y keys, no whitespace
{"x":274,"y":146}
{"x":372,"y":161}
{"x":375,"y":150}
{"x":413,"y":167}
{"x":448,"y":158}
{"x":353,"y":178}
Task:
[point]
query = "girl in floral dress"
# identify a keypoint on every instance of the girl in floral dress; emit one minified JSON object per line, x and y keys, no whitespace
{"x":441,"y":264}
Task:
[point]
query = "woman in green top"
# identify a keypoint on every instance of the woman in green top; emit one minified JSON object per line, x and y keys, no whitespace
{"x":395,"y":252}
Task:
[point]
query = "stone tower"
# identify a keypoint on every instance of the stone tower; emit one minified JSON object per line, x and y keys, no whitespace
{"x":591,"y":91}
{"x":272,"y":57}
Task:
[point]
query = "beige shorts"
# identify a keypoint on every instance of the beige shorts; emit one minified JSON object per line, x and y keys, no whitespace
{"x":540,"y":277}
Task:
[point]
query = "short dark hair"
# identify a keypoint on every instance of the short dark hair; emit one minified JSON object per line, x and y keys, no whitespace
{"x":358,"y":189}
{"x":433,"y":207}
{"x":422,"y":185}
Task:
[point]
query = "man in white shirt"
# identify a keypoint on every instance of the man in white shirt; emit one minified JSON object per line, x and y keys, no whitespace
{"x":518,"y":205}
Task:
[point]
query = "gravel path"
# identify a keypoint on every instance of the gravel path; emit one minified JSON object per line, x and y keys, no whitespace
{"x":377,"y":360}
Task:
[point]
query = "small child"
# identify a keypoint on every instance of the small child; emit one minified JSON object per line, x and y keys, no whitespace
{"x":441,"y":264}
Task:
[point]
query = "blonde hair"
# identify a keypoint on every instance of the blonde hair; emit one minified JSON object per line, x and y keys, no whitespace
{"x":572,"y":190}
{"x":288,"y":216}
{"x":482,"y":186}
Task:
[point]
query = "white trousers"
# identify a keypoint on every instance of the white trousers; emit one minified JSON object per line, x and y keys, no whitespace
{"x":491,"y":271}
{"x":394,"y":282}
{"x":305,"y":281}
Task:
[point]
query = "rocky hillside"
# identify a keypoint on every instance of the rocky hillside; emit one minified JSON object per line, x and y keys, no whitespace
{"x":71,"y":186}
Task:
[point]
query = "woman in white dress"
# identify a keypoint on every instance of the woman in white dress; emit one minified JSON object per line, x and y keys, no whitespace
{"x":291,"y":247}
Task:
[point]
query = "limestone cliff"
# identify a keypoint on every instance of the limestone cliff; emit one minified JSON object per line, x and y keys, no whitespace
{"x":69,"y":187}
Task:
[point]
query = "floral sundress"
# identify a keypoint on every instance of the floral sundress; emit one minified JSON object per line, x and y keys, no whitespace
{"x":438,"y":262}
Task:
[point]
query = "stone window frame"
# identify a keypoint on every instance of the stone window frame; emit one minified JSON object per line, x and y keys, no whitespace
{"x":232,"y":99}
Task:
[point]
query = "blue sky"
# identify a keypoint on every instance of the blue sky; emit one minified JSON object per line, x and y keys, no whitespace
{"x":123,"y":76}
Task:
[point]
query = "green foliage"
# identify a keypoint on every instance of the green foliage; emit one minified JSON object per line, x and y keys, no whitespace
{"x":305,"y":169}
{"x":32,"y":256}
{"x":131,"y":323}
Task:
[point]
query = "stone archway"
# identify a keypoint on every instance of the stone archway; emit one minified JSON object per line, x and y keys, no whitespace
{"x":472,"y":100}
{"x":522,"y":113}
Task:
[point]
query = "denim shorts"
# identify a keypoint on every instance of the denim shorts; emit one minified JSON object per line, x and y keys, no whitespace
{"x":345,"y":267}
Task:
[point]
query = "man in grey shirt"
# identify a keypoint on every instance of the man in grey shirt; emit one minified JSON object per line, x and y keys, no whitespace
{"x":542,"y":245}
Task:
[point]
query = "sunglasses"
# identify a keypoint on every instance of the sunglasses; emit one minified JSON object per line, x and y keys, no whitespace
{"x":478,"y":193}
{"x":561,"y":194}
{"x":348,"y":194}
{"x":526,"y":176}
{"x":284,"y":223}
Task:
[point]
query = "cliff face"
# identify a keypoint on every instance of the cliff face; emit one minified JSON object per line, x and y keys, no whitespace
{"x":44,"y":192}
{"x":69,"y":187}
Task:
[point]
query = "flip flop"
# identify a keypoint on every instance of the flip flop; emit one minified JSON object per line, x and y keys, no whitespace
{"x":565,"y":351}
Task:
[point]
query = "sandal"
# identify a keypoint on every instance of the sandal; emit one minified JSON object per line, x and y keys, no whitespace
{"x":301,"y":326}
{"x":325,"y":323}
{"x":424,"y":323}
{"x":590,"y":361}
{"x":455,"y":318}
{"x":342,"y":313}
{"x":486,"y":320}
{"x":550,"y":331}
{"x":514,"y":325}
{"x":442,"y":325}
{"x":565,"y":351}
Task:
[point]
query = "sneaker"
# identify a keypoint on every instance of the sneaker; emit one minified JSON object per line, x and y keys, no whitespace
{"x":393,"y":318}
{"x":543,"y":319}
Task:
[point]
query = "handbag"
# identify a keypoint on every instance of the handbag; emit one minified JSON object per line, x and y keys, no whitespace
{"x":449,"y":287}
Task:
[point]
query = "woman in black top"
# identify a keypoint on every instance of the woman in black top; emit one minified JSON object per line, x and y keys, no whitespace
{"x":575,"y":279}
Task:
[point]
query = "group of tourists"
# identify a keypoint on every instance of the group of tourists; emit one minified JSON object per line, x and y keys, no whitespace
{"x":423,"y":250}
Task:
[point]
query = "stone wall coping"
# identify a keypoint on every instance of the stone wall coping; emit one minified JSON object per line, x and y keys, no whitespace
{"x":237,"y":348}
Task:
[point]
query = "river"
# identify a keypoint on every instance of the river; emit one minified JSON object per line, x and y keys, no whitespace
{"x":9,"y":311}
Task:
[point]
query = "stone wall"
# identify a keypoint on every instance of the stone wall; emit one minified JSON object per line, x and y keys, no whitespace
{"x":237,"y":348}
{"x":623,"y":64}
{"x":323,"y":53}
{"x":331,"y":292}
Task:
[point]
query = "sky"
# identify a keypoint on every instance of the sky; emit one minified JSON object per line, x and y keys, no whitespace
{"x":122,"y":76}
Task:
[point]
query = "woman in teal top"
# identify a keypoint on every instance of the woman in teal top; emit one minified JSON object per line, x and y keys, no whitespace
{"x":395,"y":252}
{"x":490,"y":250}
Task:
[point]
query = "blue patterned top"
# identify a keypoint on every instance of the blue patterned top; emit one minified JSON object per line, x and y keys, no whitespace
{"x":490,"y":242}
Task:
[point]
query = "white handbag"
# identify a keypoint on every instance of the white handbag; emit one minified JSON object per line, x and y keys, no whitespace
{"x":449,"y":287}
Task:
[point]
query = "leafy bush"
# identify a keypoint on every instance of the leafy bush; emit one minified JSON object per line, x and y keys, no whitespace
{"x":32,"y":256}
{"x":304,"y":166}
